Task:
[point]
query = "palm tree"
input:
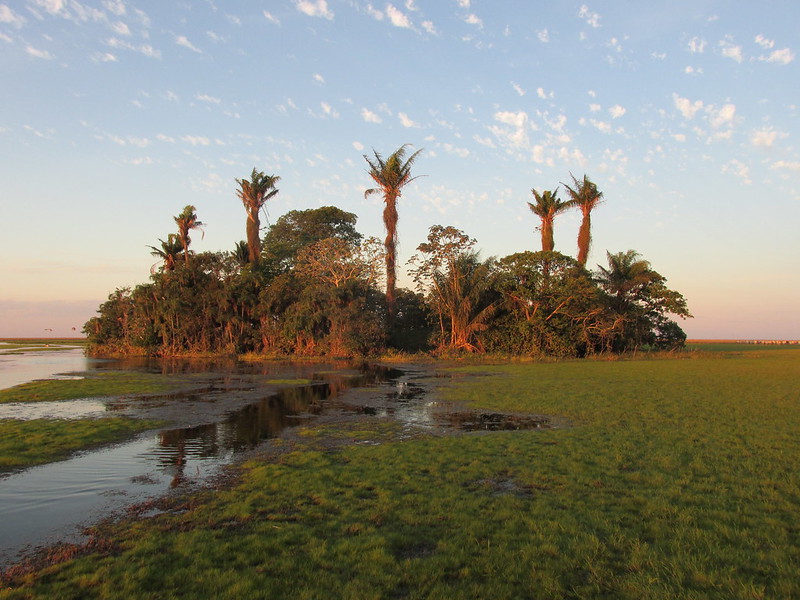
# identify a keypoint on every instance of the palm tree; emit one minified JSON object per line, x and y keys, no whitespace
{"x":254,"y":195}
{"x":241,"y":253}
{"x":169,"y":252}
{"x":391,"y":175}
{"x":586,"y":197}
{"x":548,"y":206}
{"x":186,"y":221}
{"x":627,"y":273}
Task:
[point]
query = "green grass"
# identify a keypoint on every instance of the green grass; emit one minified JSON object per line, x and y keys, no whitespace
{"x":28,"y":443}
{"x":94,"y":385}
{"x":675,"y":479}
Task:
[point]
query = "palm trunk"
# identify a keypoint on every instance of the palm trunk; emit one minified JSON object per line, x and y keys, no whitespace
{"x":390,"y":221}
{"x":253,"y":241}
{"x":584,"y":239}
{"x":547,"y":235}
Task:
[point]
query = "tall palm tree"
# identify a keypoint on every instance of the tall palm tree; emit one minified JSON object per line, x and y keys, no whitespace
{"x":169,"y":252}
{"x":391,"y":175}
{"x":586,"y":197}
{"x":548,"y":206}
{"x":254,"y":195}
{"x":241,"y":253}
{"x":186,"y":221}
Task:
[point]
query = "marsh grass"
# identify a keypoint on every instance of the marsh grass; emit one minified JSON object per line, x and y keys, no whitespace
{"x":675,"y":479}
{"x":38,"y":441}
{"x":94,"y":385}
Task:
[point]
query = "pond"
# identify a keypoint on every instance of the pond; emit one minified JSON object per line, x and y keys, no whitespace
{"x":233,"y":408}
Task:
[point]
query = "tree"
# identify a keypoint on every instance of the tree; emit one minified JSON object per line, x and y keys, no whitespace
{"x":457,"y":286}
{"x":254,"y":195}
{"x":241,"y":253}
{"x":299,"y":229}
{"x":639,"y":297}
{"x":186,"y":221}
{"x":586,"y":197}
{"x":548,"y":206}
{"x":391,"y":175}
{"x":169,"y":252}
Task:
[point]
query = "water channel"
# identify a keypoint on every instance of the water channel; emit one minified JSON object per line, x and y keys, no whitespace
{"x":231,"y":408}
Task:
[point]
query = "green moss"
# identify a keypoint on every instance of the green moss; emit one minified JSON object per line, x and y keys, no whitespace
{"x":27,"y":443}
{"x":95,"y":385}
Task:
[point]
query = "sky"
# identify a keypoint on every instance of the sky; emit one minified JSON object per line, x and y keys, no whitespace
{"x":115,"y":114}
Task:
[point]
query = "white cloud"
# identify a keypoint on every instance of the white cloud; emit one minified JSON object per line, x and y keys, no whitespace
{"x":766,"y":137}
{"x":723,"y":116}
{"x":591,"y":18}
{"x":594,"y":107}
{"x":517,"y":135}
{"x":781,"y":57}
{"x":411,"y":6}
{"x":145,"y":49}
{"x":406,"y":121}
{"x":679,"y":137}
{"x":518,"y":89}
{"x":196,"y":140}
{"x":182,"y":40}
{"x":374,"y":13}
{"x":515,"y":119}
{"x":558,"y":123}
{"x":328,"y":111}
{"x":730,"y":50}
{"x":429,"y":27}
{"x":271,"y":18}
{"x":5,"y":38}
{"x":314,"y":8}
{"x":451,"y":149}
{"x":397,"y":18}
{"x":764,"y":42}
{"x":739,"y":169}
{"x":473,"y":19}
{"x":144,"y":160}
{"x":540,"y":91}
{"x":104,"y":57}
{"x":601,"y":125}
{"x":161,"y":137}
{"x":207,"y":98}
{"x":463,"y":3}
{"x":616,"y":111}
{"x":36,"y":53}
{"x":51,"y":6}
{"x":319,"y":79}
{"x":120,"y":28}
{"x":790,"y":165}
{"x":687,"y":108}
{"x":116,"y":7}
{"x":484,"y":141}
{"x":543,"y":36}
{"x":697,"y":45}
{"x":369,"y":116}
{"x":690,"y":70}
{"x":358,"y":146}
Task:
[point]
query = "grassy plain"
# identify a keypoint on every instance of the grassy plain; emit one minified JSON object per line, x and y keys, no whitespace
{"x":38,"y":441}
{"x":672,"y":479}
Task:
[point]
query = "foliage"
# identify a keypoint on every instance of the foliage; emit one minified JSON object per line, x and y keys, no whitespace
{"x":548,"y":206}
{"x":186,"y":222}
{"x":254,"y":194}
{"x":585,"y":196}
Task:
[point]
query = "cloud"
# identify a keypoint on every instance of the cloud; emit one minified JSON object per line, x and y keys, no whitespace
{"x":594,"y":107}
{"x":36,"y":53}
{"x":397,"y":18}
{"x":463,"y":3}
{"x":473,"y":19}
{"x":766,"y":137}
{"x":687,"y":108}
{"x":591,"y":18}
{"x":429,"y":27}
{"x":9,"y":16}
{"x":696,"y":45}
{"x":406,"y":121}
{"x":781,"y":57}
{"x":358,"y":146}
{"x":145,"y":49}
{"x":484,"y":141}
{"x":723,"y":116}
{"x":271,"y":18}
{"x":120,"y":28}
{"x":411,"y":6}
{"x":516,"y":135}
{"x":764,"y":42}
{"x":730,"y":50}
{"x":789,"y":165}
{"x":182,"y":40}
{"x":518,"y":89}
{"x":104,"y":57}
{"x":314,"y":8}
{"x":690,"y":70}
{"x":738,"y":168}
{"x":328,"y":110}
{"x":51,"y":6}
{"x":616,"y":111}
{"x":196,"y":140}
{"x":207,"y":98}
{"x":116,"y":7}
{"x":374,"y":13}
{"x":543,"y":36}
{"x":601,"y":125}
{"x":460,"y":152}
{"x":319,"y":79}
{"x":370,"y":117}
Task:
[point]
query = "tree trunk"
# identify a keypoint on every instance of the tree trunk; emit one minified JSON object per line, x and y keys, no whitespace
{"x":584,"y":239}
{"x":390,"y":244}
{"x":253,"y":241}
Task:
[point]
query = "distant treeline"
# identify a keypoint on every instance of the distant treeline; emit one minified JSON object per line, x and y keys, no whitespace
{"x":313,"y":285}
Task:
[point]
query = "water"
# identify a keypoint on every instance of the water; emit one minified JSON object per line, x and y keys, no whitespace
{"x":232,"y":409}
{"x":43,"y":364}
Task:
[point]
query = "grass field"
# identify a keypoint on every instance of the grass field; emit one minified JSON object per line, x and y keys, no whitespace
{"x":672,"y":479}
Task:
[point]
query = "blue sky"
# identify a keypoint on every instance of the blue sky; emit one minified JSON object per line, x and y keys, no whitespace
{"x":116,"y":114}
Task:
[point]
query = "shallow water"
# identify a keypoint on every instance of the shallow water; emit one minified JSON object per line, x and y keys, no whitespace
{"x":20,"y":368}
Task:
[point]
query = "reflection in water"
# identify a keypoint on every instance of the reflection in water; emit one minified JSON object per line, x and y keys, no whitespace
{"x":24,"y":367}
